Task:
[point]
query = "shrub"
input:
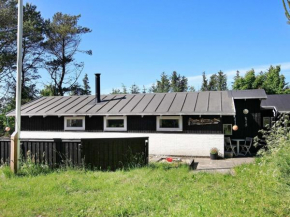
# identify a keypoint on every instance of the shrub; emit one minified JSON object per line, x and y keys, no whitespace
{"x":214,"y":151}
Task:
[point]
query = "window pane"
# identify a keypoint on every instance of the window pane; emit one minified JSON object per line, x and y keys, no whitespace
{"x":115,"y":123}
{"x":74,"y":123}
{"x":169,"y":123}
{"x":227,"y":129}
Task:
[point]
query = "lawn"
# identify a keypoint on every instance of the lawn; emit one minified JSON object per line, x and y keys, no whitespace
{"x":157,"y":190}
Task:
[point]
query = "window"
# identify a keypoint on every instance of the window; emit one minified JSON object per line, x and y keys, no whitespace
{"x":169,"y":123}
{"x":115,"y":123}
{"x":74,"y":123}
{"x":227,"y":129}
{"x":266,"y":121}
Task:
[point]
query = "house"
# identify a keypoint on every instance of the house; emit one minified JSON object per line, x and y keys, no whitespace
{"x":185,"y":124}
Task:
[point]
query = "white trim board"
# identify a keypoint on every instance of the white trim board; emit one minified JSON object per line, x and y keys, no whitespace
{"x":75,"y":128}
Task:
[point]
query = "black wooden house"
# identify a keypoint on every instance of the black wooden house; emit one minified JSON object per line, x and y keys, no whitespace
{"x":184,"y":123}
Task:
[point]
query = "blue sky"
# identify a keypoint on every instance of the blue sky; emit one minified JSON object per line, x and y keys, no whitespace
{"x":134,"y":41}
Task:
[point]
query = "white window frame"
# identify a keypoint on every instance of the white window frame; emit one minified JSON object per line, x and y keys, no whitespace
{"x":75,"y":128}
{"x":231,"y":130}
{"x":115,"y":128}
{"x":180,"y":121}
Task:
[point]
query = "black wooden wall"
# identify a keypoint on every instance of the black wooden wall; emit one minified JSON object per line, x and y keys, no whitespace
{"x":254,"y":118}
{"x":55,"y":123}
{"x":148,"y":123}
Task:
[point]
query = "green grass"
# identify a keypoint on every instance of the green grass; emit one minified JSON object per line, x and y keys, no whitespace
{"x":254,"y":190}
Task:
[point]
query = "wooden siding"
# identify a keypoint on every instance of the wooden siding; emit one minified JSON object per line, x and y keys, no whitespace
{"x":141,"y":124}
{"x":39,"y":123}
{"x":135,"y":124}
{"x":202,"y":129}
{"x":94,"y":123}
{"x":253,"y":118}
{"x":105,"y":153}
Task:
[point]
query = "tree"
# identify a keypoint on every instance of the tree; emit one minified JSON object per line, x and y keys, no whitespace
{"x":87,"y":88}
{"x":162,"y":85}
{"x":118,"y":91}
{"x":271,"y":81}
{"x":175,"y":80}
{"x":178,"y":83}
{"x":48,"y":91}
{"x":63,"y":39}
{"x":134,"y":89}
{"x":287,"y":13}
{"x":32,"y":52}
{"x":221,"y":81}
{"x":213,"y":83}
{"x":191,"y":89}
{"x":274,"y":82}
{"x":204,"y":85}
{"x":144,"y":90}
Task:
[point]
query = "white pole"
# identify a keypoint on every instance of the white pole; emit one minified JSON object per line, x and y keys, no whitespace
{"x":18,"y":80}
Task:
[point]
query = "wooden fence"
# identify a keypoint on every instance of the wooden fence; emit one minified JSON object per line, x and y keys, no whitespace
{"x":100,"y":153}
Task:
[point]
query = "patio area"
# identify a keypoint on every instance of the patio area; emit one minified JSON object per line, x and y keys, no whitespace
{"x":206,"y":164}
{"x":221,"y":166}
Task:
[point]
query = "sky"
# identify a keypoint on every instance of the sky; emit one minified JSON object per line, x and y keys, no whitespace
{"x":134,"y":41}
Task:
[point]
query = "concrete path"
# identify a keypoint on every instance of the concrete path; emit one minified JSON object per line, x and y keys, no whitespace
{"x":221,"y":166}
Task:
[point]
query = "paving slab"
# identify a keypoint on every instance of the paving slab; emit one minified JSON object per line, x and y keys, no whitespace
{"x":221,"y":165}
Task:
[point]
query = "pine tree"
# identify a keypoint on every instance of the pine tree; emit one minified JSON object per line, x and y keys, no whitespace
{"x":162,"y":85}
{"x":124,"y":88}
{"x":238,"y":82}
{"x":86,"y":85}
{"x":213,"y":83}
{"x":144,"y":89}
{"x":32,"y":52}
{"x":221,"y":81}
{"x":204,"y":85}
{"x":134,"y":89}
{"x":175,"y":82}
{"x":63,"y":39}
{"x":191,"y":89}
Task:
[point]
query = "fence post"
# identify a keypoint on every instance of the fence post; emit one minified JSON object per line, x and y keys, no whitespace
{"x":14,"y":152}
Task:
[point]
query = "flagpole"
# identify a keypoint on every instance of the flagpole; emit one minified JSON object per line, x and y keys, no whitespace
{"x":15,"y":138}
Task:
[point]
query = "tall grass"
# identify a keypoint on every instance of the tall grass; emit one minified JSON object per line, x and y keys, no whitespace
{"x":258,"y":189}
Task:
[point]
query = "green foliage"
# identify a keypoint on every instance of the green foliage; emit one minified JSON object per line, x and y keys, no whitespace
{"x":204,"y":85}
{"x":33,"y":52}
{"x":214,"y":151}
{"x":134,"y":89}
{"x":274,"y":136}
{"x":86,"y":85}
{"x":118,"y":91}
{"x":157,"y":190}
{"x":63,"y":35}
{"x":287,"y":13}
{"x":162,"y":85}
{"x":216,"y":82}
{"x":30,"y":168}
{"x":48,"y":90}
{"x":173,"y":83}
{"x":271,"y":81}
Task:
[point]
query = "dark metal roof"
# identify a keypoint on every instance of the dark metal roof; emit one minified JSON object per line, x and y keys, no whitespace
{"x":280,"y":102}
{"x":249,"y":94}
{"x":191,"y":103}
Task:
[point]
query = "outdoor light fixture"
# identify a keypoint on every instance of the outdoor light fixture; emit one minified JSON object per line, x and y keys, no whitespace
{"x":245,"y":111}
{"x":235,"y":127}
